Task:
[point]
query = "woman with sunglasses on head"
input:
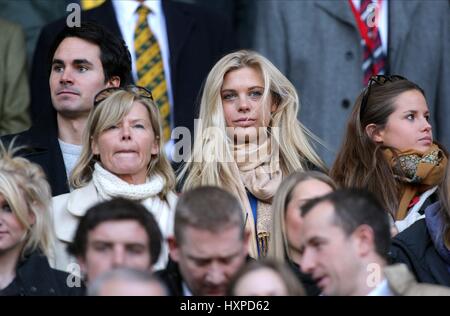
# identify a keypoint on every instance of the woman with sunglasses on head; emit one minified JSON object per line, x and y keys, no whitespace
{"x":26,"y":236}
{"x":389,"y":149}
{"x":122,"y":156}
{"x":248,"y":138}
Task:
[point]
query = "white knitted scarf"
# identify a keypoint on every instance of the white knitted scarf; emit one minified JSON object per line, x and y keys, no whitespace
{"x":109,"y":186}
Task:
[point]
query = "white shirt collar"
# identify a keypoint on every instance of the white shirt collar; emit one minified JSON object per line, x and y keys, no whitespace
{"x":382,"y":289}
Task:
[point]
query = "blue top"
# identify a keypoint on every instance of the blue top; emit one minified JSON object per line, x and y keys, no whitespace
{"x":254,"y":205}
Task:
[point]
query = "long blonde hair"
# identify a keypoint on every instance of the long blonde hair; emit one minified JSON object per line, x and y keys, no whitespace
{"x":279,"y":248}
{"x":108,"y":113}
{"x":24,"y":187}
{"x":296,"y":152}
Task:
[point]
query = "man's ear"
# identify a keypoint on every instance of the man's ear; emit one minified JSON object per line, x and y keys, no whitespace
{"x":114,"y":81}
{"x":374,"y":133}
{"x":174,"y":251}
{"x":364,"y":237}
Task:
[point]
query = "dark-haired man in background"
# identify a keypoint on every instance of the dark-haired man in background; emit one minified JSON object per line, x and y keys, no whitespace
{"x":84,"y":60}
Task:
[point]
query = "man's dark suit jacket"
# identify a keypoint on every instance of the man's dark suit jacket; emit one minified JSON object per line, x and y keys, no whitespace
{"x":197,"y":38}
{"x":172,"y":278}
{"x":415,"y":248}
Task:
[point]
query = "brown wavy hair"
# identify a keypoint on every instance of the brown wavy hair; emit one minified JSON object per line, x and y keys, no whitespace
{"x":360,"y":162}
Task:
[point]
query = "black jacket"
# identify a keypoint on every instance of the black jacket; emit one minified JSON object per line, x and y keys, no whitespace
{"x":35,"y":277}
{"x":415,"y":248}
{"x":172,"y":278}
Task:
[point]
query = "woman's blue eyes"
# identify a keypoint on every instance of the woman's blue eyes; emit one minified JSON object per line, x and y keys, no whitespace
{"x":252,"y":94}
{"x":256,"y":93}
{"x":228,"y":96}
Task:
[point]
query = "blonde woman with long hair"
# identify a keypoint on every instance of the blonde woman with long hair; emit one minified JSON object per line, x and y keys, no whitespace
{"x":248,"y":138}
{"x":285,"y":241}
{"x":26,"y":234}
{"x":122,"y":156}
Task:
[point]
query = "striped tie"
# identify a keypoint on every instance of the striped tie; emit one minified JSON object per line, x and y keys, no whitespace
{"x":150,"y":68}
{"x":91,"y":4}
{"x":374,"y":61}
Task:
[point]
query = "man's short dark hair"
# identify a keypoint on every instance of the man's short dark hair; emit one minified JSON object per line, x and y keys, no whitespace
{"x":208,"y":208}
{"x":114,"y":54}
{"x":353,"y":208}
{"x":117,"y":209}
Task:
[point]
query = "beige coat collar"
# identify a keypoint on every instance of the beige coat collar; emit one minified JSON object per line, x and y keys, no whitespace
{"x":69,"y":208}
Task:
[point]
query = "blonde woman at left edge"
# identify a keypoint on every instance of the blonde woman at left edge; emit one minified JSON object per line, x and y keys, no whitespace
{"x":249,"y":98}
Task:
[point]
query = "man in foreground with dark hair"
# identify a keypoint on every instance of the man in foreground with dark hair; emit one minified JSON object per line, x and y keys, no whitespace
{"x":113,"y":234}
{"x":345,"y":242}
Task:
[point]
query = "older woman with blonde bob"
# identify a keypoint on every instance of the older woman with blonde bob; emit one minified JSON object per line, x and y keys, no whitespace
{"x":249,"y":98}
{"x":292,"y":194}
{"x":26,"y":235}
{"x":121,"y":157}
